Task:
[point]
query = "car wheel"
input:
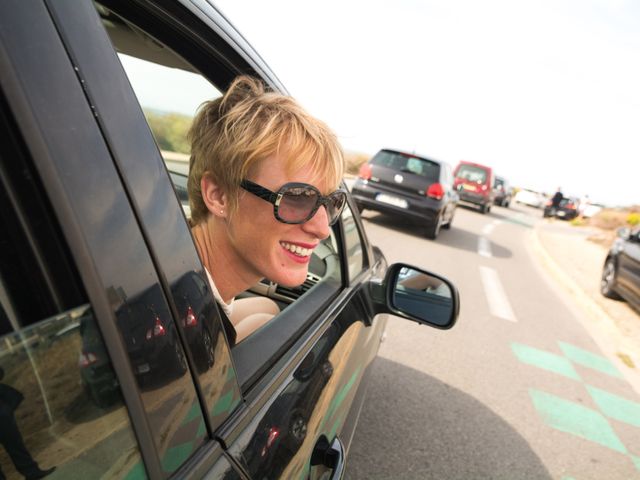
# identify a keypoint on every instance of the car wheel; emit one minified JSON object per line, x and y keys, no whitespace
{"x":208,"y":348}
{"x":432,"y":231}
{"x":180,"y":359}
{"x":608,"y":281}
{"x":448,"y":224}
{"x":484,"y":209}
{"x":297,"y":431}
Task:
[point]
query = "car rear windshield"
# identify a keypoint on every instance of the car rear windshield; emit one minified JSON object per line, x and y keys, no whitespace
{"x":408,"y":163}
{"x":472,"y":174}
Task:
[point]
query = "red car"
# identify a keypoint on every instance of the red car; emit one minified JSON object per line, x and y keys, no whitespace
{"x":474,"y":183}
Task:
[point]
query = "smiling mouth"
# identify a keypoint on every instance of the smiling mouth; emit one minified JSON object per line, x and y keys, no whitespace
{"x":297,"y":249}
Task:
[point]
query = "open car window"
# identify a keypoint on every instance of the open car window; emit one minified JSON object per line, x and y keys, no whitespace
{"x":169,"y":89}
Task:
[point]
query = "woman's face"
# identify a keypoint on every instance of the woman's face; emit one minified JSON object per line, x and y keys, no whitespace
{"x":266,"y":247}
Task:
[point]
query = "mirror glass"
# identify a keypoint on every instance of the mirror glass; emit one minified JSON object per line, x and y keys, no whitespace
{"x":423,"y":296}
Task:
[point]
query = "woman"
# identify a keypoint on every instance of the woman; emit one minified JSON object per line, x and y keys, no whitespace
{"x":263,"y":191}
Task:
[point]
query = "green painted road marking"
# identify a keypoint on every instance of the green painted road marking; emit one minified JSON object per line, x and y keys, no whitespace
{"x":175,"y":456}
{"x":616,"y":407}
{"x":193,"y":412}
{"x":202,"y":429}
{"x":545,"y":360}
{"x":342,"y":394}
{"x":576,"y":419}
{"x":636,"y":461}
{"x":223,"y":404}
{"x":137,"y":472}
{"x":589,"y":360}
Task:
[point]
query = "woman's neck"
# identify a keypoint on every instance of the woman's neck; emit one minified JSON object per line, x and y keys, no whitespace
{"x":219,"y":258}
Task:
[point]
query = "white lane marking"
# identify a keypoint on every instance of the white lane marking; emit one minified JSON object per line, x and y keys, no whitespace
{"x":496,"y":296}
{"x":484,"y":247}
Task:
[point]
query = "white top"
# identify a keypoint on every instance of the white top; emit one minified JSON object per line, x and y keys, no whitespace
{"x":226,"y":307}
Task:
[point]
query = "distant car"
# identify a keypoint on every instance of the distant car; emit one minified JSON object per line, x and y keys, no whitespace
{"x":567,"y":210}
{"x":474,"y":183}
{"x":621,"y":271}
{"x":530,"y":197}
{"x":408,"y":185}
{"x":502,"y":192}
{"x":591,"y":210}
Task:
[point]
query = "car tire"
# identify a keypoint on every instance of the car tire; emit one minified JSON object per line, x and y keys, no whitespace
{"x":447,"y":225}
{"x":608,"y":280}
{"x":296,"y":432}
{"x":484,"y":209}
{"x":180,"y":359}
{"x":208,"y":350}
{"x":432,"y":231}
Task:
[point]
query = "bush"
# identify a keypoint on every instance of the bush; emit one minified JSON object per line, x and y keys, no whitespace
{"x":170,"y":130}
{"x":354,"y":161}
{"x":633,"y":219}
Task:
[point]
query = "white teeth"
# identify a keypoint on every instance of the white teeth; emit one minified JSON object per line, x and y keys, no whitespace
{"x":297,"y":249}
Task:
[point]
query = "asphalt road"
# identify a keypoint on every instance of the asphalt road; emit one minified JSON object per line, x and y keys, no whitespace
{"x":518,"y":389}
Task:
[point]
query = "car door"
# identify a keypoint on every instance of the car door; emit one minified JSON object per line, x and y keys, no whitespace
{"x":629,"y":268}
{"x":136,"y":403}
{"x":299,"y":376}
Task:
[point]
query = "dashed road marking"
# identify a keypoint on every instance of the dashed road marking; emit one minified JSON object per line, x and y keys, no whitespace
{"x":484,"y":245}
{"x":496,"y":296}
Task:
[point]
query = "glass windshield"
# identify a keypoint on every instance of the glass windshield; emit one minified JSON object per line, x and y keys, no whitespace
{"x":409,"y":164}
{"x":472,"y":173}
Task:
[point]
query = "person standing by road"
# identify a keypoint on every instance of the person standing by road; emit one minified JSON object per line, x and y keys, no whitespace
{"x":556,"y":199}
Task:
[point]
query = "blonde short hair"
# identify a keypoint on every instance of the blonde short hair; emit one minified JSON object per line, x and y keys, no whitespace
{"x":232,"y":134}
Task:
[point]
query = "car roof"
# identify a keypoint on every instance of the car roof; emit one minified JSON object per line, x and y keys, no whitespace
{"x":466,"y":162}
{"x":413,"y":154}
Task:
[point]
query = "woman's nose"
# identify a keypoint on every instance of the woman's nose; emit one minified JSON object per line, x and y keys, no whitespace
{"x":318,"y":225}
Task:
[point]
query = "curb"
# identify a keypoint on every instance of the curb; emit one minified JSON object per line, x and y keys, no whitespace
{"x":598,"y":323}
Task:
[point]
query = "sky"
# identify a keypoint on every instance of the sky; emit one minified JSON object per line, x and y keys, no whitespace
{"x":545,"y":92}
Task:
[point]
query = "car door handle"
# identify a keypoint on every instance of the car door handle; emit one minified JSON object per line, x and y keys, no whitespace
{"x":331,"y":456}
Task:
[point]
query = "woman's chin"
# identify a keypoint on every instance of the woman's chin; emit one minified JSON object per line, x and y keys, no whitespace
{"x":291,"y":279}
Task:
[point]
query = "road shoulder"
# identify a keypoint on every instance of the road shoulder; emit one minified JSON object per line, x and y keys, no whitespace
{"x":575,"y":265}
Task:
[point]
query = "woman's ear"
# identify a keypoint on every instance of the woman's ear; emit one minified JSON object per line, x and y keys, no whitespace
{"x":213,"y":196}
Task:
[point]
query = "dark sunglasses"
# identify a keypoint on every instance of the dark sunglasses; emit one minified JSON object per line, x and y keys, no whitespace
{"x":296,"y":203}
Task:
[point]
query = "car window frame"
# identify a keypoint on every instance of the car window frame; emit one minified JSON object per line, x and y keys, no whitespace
{"x":325,"y":293}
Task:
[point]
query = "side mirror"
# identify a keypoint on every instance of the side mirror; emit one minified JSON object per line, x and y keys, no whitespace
{"x":418,"y":295}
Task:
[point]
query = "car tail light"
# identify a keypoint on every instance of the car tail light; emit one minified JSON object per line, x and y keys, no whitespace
{"x":436,"y":191}
{"x":570,"y":206}
{"x":86,"y":359}
{"x":190,"y":319}
{"x":548,"y":203}
{"x":365,"y":172}
{"x":158,"y":330}
{"x":273,"y":434}
{"x":483,"y":187}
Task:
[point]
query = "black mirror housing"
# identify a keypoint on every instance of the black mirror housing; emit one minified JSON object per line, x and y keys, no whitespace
{"x":417,"y":295}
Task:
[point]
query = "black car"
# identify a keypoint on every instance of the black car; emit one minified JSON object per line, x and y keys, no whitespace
{"x":621,"y":271}
{"x":101,"y":286}
{"x":502,"y":192}
{"x":566,"y":210}
{"x":409,"y":186}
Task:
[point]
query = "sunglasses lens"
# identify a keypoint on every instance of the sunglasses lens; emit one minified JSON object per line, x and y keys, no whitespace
{"x":335,"y":205}
{"x":297,"y":203}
